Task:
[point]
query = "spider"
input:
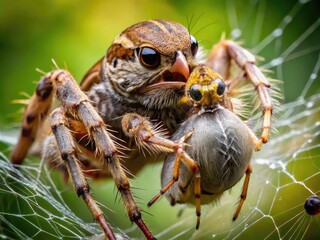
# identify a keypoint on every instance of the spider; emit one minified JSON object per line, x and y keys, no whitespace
{"x":142,"y":77}
{"x":219,"y":145}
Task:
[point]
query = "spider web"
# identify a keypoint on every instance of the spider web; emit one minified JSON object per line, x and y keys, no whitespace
{"x":287,"y":169}
{"x":34,"y":205}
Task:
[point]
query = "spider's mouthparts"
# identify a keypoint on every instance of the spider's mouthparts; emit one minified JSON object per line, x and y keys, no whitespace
{"x":172,"y":80}
{"x":210,"y":109}
{"x":168,"y":76}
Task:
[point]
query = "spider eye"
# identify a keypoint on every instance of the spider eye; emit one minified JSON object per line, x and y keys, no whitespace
{"x":149,"y":57}
{"x":195,"y":93}
{"x":221,"y":87}
{"x":194,"y":45}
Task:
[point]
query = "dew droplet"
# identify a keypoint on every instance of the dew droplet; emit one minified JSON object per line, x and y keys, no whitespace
{"x":287,"y":19}
{"x":277,"y":32}
{"x":236,"y":33}
{"x":276,"y":61}
{"x":313,"y":76}
{"x":309,"y":104}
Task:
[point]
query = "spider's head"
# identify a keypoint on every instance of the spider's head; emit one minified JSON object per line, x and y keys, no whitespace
{"x":204,"y":87}
{"x":149,"y":63}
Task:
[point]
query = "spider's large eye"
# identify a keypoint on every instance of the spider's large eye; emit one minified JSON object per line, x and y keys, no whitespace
{"x":149,"y":57}
{"x":194,"y":45}
{"x":221,"y":87}
{"x":195,"y":93}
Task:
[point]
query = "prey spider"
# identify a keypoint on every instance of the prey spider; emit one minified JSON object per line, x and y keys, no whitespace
{"x":142,"y":77}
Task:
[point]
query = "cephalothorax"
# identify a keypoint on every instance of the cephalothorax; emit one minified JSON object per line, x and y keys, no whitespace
{"x":141,"y":78}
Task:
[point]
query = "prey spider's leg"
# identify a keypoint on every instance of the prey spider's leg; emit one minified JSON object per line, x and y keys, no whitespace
{"x":175,"y":177}
{"x":68,"y":152}
{"x":219,"y":60}
{"x":34,"y":114}
{"x":141,"y":129}
{"x":244,"y":191}
{"x":197,"y":187}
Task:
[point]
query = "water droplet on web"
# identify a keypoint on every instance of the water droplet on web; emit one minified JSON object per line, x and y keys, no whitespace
{"x":261,"y":161}
{"x":309,"y":105}
{"x":236,"y":33}
{"x":277,"y":32}
{"x":313,"y":76}
{"x":287,"y":19}
{"x":276,"y":61}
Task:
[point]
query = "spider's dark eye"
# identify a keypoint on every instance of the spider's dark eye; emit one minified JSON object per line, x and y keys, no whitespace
{"x":149,"y":57}
{"x":194,"y":45}
{"x":221,"y":87}
{"x":195,"y":93}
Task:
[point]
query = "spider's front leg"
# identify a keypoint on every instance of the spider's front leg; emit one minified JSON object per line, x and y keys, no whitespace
{"x":220,"y":61}
{"x":68,"y":152}
{"x":76,"y":104}
{"x":147,"y":137}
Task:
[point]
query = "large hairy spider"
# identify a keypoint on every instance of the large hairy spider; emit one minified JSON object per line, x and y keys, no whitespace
{"x":142,"y":77}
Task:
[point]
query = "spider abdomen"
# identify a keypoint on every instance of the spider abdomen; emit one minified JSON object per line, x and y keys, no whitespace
{"x":222,"y":147}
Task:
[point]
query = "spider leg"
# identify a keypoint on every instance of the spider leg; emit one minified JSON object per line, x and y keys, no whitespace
{"x":244,"y":192}
{"x":248,"y":172}
{"x":34,"y":115}
{"x":77,"y":104}
{"x":219,"y":60}
{"x":145,"y":136}
{"x":69,"y":155}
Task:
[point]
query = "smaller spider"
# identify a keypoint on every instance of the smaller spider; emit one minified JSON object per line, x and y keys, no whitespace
{"x":218,"y":146}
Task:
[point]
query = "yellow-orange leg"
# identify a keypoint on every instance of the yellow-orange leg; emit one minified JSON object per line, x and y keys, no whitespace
{"x":175,"y":177}
{"x":219,"y":60}
{"x":141,"y":129}
{"x":244,"y":192}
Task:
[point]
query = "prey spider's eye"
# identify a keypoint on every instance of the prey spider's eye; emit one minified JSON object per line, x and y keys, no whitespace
{"x":221,"y":87}
{"x":195,"y":93}
{"x":194,"y":45}
{"x":149,"y":57}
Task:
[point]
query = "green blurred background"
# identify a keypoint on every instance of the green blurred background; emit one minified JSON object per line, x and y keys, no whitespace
{"x":76,"y":33}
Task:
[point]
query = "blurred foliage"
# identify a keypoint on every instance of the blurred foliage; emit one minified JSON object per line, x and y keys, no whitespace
{"x":76,"y":33}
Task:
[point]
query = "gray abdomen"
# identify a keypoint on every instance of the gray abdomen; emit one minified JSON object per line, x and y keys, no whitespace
{"x":221,"y":145}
